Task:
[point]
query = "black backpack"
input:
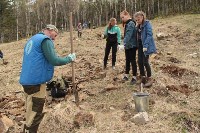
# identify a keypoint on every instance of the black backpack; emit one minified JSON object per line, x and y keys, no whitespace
{"x":57,"y":89}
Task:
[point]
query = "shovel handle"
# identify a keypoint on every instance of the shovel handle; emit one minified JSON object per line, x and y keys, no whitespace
{"x":141,"y":87}
{"x":73,"y":71}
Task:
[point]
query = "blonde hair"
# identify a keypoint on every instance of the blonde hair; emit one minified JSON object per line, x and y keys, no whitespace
{"x":110,"y":23}
{"x":140,"y":13}
{"x":125,"y":13}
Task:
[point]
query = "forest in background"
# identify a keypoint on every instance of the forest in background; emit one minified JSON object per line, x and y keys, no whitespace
{"x":23,"y":18}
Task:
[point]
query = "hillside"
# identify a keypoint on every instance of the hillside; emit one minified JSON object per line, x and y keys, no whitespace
{"x":174,"y":97}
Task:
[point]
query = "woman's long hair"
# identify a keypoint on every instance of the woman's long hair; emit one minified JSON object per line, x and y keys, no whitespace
{"x":112,"y":20}
{"x":126,"y":14}
{"x":140,"y":13}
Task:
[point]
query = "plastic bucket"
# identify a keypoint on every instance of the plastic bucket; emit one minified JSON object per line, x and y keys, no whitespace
{"x":141,"y":101}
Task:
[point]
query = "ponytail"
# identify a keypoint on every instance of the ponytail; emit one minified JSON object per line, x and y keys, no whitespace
{"x":110,"y":23}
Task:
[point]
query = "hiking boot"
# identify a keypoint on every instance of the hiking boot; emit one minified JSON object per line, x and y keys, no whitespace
{"x":149,"y":82}
{"x":125,"y":78}
{"x":133,"y":81}
{"x":141,"y":79}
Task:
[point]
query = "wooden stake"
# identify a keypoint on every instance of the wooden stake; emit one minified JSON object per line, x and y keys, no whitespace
{"x":73,"y":72}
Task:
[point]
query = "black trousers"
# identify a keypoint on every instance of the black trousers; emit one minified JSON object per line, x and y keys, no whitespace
{"x":143,"y":61}
{"x":107,"y":52}
{"x":130,"y":55}
{"x":79,"y":34}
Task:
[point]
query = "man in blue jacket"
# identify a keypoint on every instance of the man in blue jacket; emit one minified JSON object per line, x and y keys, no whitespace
{"x":37,"y":68}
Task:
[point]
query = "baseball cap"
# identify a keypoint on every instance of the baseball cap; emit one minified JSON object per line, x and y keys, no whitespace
{"x":52,"y":27}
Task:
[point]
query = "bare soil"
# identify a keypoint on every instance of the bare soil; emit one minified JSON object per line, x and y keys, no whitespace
{"x":106,"y":103}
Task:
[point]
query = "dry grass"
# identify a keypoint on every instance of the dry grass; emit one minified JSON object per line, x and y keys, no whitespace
{"x":170,"y":111}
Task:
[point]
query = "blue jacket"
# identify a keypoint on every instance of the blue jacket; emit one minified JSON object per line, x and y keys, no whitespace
{"x":130,"y":39}
{"x":35,"y":67}
{"x":147,"y":38}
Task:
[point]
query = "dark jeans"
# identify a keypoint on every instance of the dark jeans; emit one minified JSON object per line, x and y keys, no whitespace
{"x":131,"y":59}
{"x":107,"y":52}
{"x":143,"y":61}
{"x":79,"y":34}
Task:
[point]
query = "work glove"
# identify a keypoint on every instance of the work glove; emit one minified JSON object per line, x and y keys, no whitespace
{"x":144,"y":49}
{"x":102,"y":36}
{"x":72,"y":56}
{"x":121,"y":47}
{"x":123,"y":43}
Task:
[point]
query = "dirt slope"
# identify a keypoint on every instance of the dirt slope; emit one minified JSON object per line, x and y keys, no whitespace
{"x":174,"y":97}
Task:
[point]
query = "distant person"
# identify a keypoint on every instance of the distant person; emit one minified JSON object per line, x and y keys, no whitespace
{"x":38,"y":64}
{"x":113,"y":38}
{"x":130,"y":45}
{"x":146,"y":46}
{"x":84,"y":25}
{"x":94,"y":27}
{"x":89,"y":24}
{"x":79,"y":29}
{"x":1,"y":56}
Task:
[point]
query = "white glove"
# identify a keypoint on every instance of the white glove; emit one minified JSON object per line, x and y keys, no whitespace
{"x":123,"y":43}
{"x":121,"y":47}
{"x":144,"y":49}
{"x":72,"y":56}
{"x":102,"y":36}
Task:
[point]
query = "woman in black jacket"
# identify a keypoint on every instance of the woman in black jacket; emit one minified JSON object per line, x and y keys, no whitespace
{"x":113,"y":38}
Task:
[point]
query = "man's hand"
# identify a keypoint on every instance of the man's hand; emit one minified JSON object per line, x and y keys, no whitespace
{"x":72,"y":56}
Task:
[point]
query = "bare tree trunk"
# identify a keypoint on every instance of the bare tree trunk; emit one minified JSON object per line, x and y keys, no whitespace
{"x":17,"y":20}
{"x":158,"y":7}
{"x":116,"y":9}
{"x":106,"y":17}
{"x":2,"y":37}
{"x":124,"y":4}
{"x":17,"y":27}
{"x":65,"y":15}
{"x":166,"y":8}
{"x":163,"y":7}
{"x":148,"y":8}
{"x":27,"y":22}
{"x":36,"y":27}
{"x":100,"y":20}
{"x":56,"y":13}
{"x":135,"y":5}
{"x":152,"y":6}
{"x":51,"y":12}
